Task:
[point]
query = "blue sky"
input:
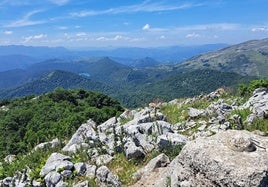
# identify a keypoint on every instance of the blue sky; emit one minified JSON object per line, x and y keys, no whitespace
{"x":140,"y":23}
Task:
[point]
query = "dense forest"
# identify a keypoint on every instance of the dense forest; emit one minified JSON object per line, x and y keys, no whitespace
{"x":27,"y":121}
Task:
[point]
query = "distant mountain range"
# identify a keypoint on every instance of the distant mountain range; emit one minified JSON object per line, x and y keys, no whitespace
{"x":143,"y":79}
{"x":17,"y":57}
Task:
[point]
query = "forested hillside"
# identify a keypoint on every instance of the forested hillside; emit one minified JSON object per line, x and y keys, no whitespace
{"x":25,"y":122}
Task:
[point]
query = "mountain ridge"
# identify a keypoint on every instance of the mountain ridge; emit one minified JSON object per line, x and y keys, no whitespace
{"x":248,"y":58}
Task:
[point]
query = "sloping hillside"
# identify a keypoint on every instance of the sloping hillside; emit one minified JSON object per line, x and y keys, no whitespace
{"x":182,"y":142}
{"x":52,"y":80}
{"x":248,"y":58}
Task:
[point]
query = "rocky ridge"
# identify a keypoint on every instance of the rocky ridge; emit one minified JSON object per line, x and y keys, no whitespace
{"x":216,"y":151}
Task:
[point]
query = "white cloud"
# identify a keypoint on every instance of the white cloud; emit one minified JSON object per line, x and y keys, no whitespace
{"x":59,"y":2}
{"x":81,"y":34}
{"x":146,"y":27}
{"x":146,"y":6}
{"x":162,"y":37}
{"x":8,"y":32}
{"x":34,"y":37}
{"x":116,"y":38}
{"x":259,"y":29}
{"x":192,"y":35}
{"x":63,"y":28}
{"x":25,"y":21}
{"x":213,"y":26}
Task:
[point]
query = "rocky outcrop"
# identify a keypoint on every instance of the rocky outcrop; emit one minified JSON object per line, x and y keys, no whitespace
{"x":45,"y":145}
{"x":230,"y":158}
{"x":213,"y":155}
{"x":154,"y":174}
{"x":258,"y":104}
{"x":84,"y":137}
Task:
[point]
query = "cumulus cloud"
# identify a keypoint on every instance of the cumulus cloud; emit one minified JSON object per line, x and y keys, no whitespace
{"x":257,"y":29}
{"x":8,"y":32}
{"x":146,"y":27}
{"x":162,"y":37}
{"x":34,"y":37}
{"x":116,"y":38}
{"x":81,"y":34}
{"x":192,"y":35}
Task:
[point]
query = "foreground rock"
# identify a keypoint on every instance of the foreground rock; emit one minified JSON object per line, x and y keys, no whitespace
{"x":231,"y":158}
{"x":154,"y":173}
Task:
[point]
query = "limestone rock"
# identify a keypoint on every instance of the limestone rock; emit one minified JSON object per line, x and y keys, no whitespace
{"x":103,"y":159}
{"x":83,"y":137}
{"x":132,"y":151}
{"x":80,"y":168}
{"x":90,"y":171}
{"x":258,"y":103}
{"x":10,"y":158}
{"x":194,"y":113}
{"x":62,"y":184}
{"x":54,"y":143}
{"x":52,"y":178}
{"x":230,"y":158}
{"x":106,"y":178}
{"x":161,"y":160}
{"x":81,"y":184}
{"x":57,"y":161}
{"x":7,"y":181}
{"x":170,"y":139}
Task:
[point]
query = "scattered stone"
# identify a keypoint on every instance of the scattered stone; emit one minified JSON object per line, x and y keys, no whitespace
{"x":7,"y":181}
{"x":62,"y":184}
{"x":52,"y":178}
{"x":103,"y":159}
{"x":66,"y":174}
{"x":81,"y":184}
{"x":132,"y":151}
{"x":90,"y":171}
{"x":54,"y":143}
{"x":161,"y":160}
{"x":195,"y":113}
{"x":106,"y":178}
{"x":10,"y":158}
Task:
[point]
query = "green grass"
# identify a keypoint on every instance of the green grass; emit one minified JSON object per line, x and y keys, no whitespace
{"x":174,"y":113}
{"x":242,"y":113}
{"x":125,"y":120}
{"x":178,"y":114}
{"x":258,"y":124}
{"x":35,"y":161}
{"x":124,"y":168}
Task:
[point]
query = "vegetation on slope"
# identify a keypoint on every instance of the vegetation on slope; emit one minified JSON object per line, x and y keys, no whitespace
{"x":25,"y":122}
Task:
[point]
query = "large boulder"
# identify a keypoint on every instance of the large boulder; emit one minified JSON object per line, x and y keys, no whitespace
{"x":85,"y":136}
{"x":230,"y":158}
{"x":57,"y":161}
{"x":258,"y":103}
{"x":170,"y":140}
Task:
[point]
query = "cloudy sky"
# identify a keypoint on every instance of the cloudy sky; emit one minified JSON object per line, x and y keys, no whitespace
{"x":142,"y":23}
